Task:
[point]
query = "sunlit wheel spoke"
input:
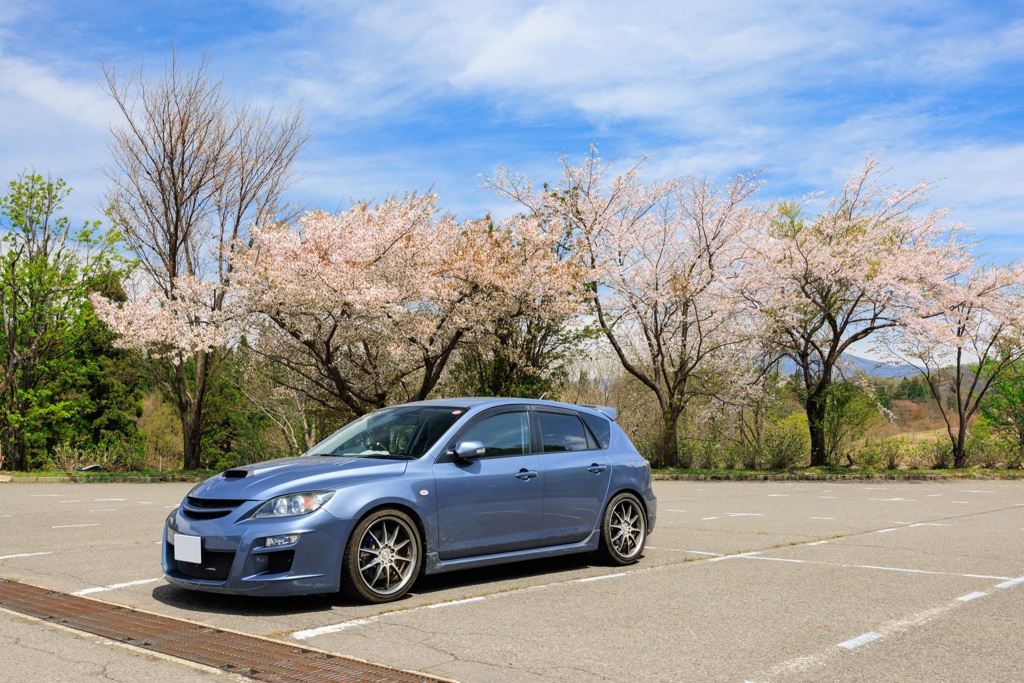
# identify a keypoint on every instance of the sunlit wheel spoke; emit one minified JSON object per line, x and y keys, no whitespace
{"x":388,"y":556}
{"x":625,"y":530}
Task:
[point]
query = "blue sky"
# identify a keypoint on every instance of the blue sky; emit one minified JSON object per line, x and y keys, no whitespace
{"x":407,"y":95}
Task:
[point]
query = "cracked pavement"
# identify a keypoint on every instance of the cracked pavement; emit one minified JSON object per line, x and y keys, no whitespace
{"x":741,"y":581}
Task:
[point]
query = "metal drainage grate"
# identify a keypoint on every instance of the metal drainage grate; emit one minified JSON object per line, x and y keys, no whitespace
{"x":263,"y":660}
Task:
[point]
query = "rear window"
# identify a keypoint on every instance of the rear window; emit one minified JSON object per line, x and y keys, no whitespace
{"x":601,"y":428}
{"x":562,"y":432}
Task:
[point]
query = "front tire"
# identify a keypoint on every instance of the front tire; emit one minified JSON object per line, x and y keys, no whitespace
{"x":383,"y":557}
{"x":623,"y":530}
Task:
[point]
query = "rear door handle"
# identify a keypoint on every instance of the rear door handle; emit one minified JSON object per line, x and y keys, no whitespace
{"x":597,"y":469}
{"x":525,"y":474}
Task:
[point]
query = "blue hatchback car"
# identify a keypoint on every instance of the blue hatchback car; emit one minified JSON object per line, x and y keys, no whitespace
{"x":420,"y":488}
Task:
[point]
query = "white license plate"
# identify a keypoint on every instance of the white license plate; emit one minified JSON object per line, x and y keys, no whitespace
{"x":188,"y":548}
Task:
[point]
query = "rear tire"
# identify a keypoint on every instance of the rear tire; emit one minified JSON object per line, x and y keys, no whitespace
{"x":383,"y":557}
{"x":623,"y":530}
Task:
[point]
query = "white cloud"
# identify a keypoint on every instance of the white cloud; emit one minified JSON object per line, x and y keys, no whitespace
{"x":79,"y":103}
{"x":805,"y":89}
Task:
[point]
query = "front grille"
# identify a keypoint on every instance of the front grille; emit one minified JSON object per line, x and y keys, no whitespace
{"x":214,"y":567}
{"x":208,"y":508}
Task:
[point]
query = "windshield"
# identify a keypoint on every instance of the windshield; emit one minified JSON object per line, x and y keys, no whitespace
{"x":401,"y":432}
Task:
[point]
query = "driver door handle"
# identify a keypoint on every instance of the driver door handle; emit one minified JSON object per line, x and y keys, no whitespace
{"x":597,"y":469}
{"x":525,"y":474}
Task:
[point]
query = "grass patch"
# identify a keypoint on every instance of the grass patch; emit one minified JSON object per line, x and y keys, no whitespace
{"x":836,"y":472}
{"x":154,"y":475}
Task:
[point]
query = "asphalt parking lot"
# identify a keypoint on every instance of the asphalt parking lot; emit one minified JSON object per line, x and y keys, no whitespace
{"x":741,"y":581}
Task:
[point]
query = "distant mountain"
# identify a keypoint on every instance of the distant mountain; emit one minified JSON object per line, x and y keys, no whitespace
{"x":851,"y":364}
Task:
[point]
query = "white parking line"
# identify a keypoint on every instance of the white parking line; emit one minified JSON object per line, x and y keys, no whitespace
{"x":829,"y":518}
{"x":972,"y":596}
{"x":600,"y":578}
{"x":854,"y":643}
{"x":114,"y":587}
{"x":818,"y":660}
{"x":779,"y":559}
{"x":705,"y":519}
{"x":71,"y":526}
{"x":455,"y":602}
{"x":11,"y":557}
{"x":818,"y":543}
{"x":983,"y":576}
{"x":108,"y":500}
{"x":885,"y":531}
{"x":675,"y":510}
{"x":730,"y":557}
{"x":898,"y":569}
{"x":778,"y":495}
{"x":744,"y":514}
{"x":893,"y":500}
{"x":69,"y":501}
{"x":334,"y":628}
{"x":1011,"y":582}
{"x":105,"y":510}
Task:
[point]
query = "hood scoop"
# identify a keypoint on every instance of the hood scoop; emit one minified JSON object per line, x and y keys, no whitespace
{"x":237,"y":474}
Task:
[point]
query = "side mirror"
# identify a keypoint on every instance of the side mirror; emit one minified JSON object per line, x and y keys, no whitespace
{"x":468,"y":450}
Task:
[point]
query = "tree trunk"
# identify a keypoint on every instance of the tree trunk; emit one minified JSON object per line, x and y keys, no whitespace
{"x":16,"y":453}
{"x":190,"y":407}
{"x":816,"y":425}
{"x":666,"y":448}
{"x":960,"y":446}
{"x":192,"y":438}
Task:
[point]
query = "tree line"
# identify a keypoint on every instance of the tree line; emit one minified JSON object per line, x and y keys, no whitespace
{"x":263,"y":326}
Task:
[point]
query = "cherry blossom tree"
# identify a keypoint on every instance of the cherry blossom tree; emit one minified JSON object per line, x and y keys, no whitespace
{"x":660,"y":259}
{"x":822,"y":283}
{"x":974,"y":323}
{"x":190,"y":172}
{"x":368,"y":305}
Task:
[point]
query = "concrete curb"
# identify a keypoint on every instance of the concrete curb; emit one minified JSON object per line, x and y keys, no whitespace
{"x":882,"y":476}
{"x":103,"y":480}
{"x":682,"y":476}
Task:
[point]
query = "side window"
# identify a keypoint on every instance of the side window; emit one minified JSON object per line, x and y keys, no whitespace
{"x":501,"y":434}
{"x":562,"y":432}
{"x":601,"y":427}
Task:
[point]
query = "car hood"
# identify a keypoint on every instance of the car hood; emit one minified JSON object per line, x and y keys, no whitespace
{"x":265,"y":480}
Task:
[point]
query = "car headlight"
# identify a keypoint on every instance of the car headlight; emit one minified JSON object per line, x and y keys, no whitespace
{"x":293,"y":504}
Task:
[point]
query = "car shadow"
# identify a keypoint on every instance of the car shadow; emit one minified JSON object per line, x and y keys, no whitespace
{"x":467,"y":578}
{"x":240,"y":605}
{"x":247,"y":605}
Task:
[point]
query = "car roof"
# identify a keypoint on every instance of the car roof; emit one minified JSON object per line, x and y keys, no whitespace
{"x":492,"y":401}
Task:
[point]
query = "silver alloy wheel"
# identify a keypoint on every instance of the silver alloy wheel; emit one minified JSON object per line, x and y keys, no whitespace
{"x":387,"y":556}
{"x":627,"y":528}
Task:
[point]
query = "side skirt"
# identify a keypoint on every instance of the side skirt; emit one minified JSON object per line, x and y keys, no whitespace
{"x":435,"y":565}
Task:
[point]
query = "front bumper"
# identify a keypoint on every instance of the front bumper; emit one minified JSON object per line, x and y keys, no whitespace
{"x":234,"y":557}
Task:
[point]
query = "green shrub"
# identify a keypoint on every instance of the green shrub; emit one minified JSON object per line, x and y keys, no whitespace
{"x":881,"y":454}
{"x":942,"y":455}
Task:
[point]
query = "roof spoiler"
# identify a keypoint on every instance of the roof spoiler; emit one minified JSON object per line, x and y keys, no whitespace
{"x":610,"y":413}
